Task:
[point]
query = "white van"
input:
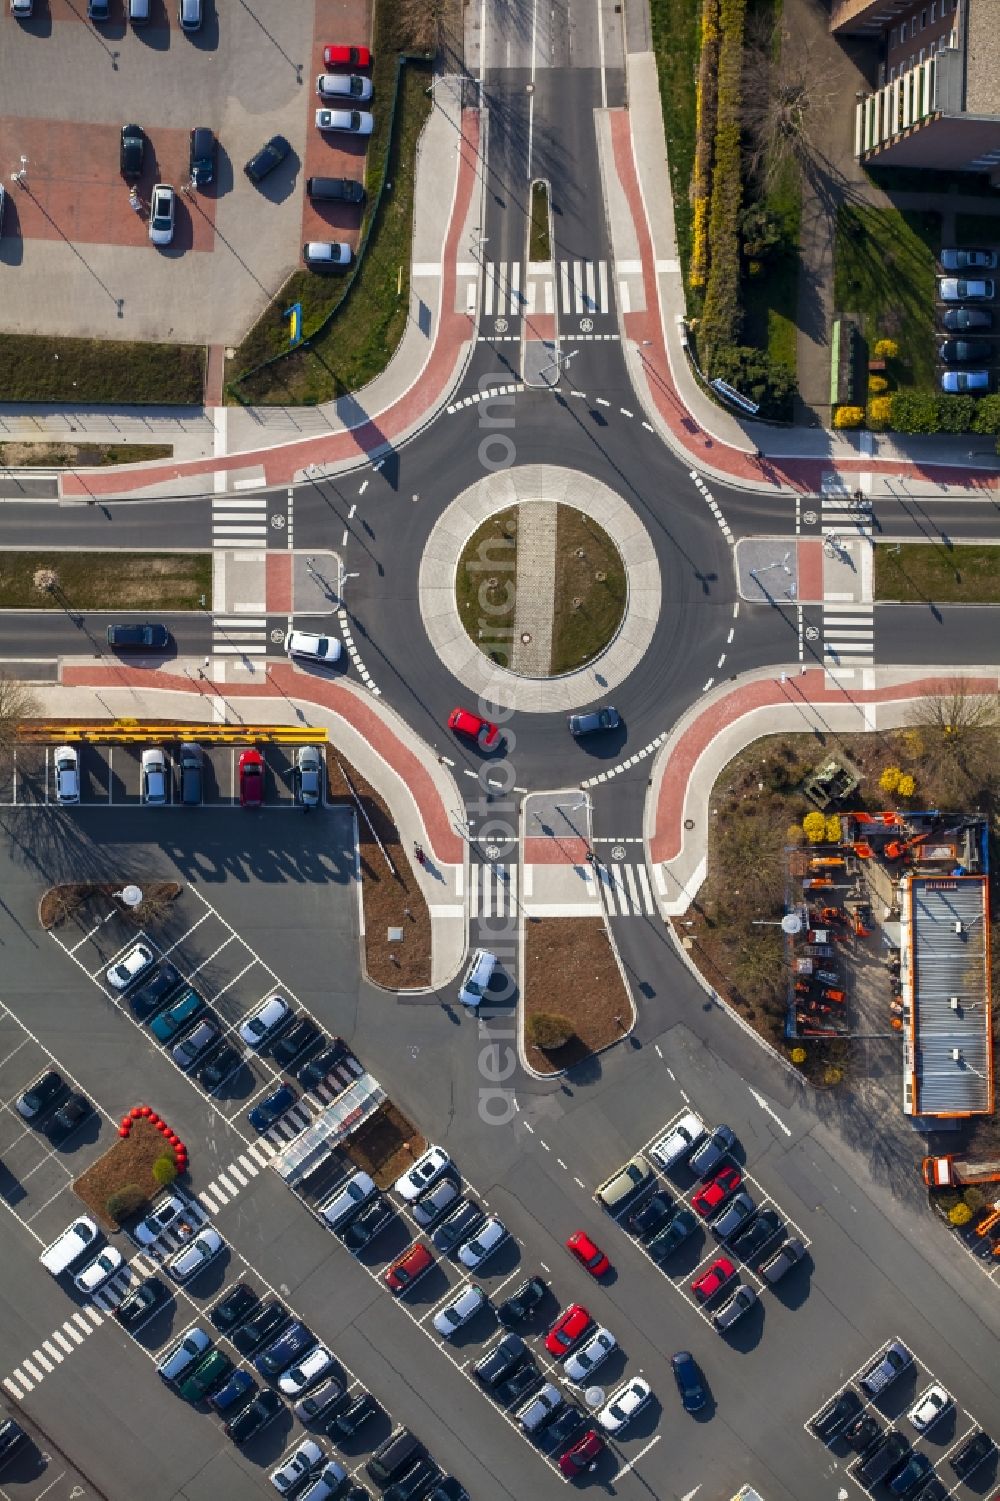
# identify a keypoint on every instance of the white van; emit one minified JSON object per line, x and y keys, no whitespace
{"x":477,"y":977}
{"x":344,"y":1205}
{"x":73,"y":1243}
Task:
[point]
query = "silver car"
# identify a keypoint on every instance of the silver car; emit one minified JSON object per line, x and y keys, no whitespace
{"x":309,"y":775}
{"x":67,"y":769}
{"x":731,"y":1312}
{"x":154,"y":777}
{"x":162,"y":212}
{"x":580,"y":1366}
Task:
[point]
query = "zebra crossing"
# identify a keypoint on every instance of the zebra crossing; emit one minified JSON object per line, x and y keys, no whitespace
{"x":239,"y":636}
{"x":492,"y":890}
{"x":843,"y":513}
{"x":848,"y":634}
{"x":623,"y":889}
{"x":239,"y":521}
{"x":574,"y":288}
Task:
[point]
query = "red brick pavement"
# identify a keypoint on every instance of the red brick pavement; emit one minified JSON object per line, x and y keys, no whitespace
{"x":374,"y":726}
{"x":328,"y":154}
{"x":281,"y":463}
{"x":279,"y":583}
{"x":809,"y":688}
{"x":554,"y":850}
{"x":810,"y":571}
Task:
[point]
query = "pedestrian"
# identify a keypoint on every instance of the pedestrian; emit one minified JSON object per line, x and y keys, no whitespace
{"x":758,"y":454}
{"x":418,"y":850}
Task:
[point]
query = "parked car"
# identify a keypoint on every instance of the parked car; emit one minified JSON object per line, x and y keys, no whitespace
{"x":836,"y":1415}
{"x":265,"y":1022}
{"x":190,"y":14}
{"x":689,"y":1383}
{"x":651,"y":1215}
{"x":527,"y":1378}
{"x":679,"y":1141}
{"x":964,"y":351}
{"x":178,"y":1015}
{"x":883,"y":1458}
{"x":322,"y":649}
{"x":268,"y":1319}
{"x":153,"y":765}
{"x":966,"y":382}
{"x":132,"y":152}
{"x":968,"y":260}
{"x":401,"y":1274}
{"x":597,"y":719}
{"x":736,"y":1213}
{"x":761,"y":1230}
{"x":465,"y":1304}
{"x":584,"y":1360}
{"x":712,"y":1195}
{"x":192,"y":1259}
{"x":234,"y":1307}
{"x":961,"y":320}
{"x":540,"y":1408}
{"x":488,"y":1238}
{"x":568,"y":1330}
{"x":98,"y":10}
{"x":344,"y":86}
{"x":147,"y":637}
{"x":624,"y":1404}
{"x":673,"y":1235}
{"x":782,"y":1261}
{"x":41,"y":1095}
{"x":304,"y":1458}
{"x":427,"y":1169}
{"x":309,"y":778}
{"x":354,"y":1415}
{"x":290,"y":1345}
{"x":162,"y":214}
{"x":251,"y":770}
{"x":582,"y":1455}
{"x":100,"y":1270}
{"x":326,"y":1482}
{"x":864,"y":1433}
{"x":522,"y":1302}
{"x":70,"y":1115}
{"x":165,"y":1213}
{"x":304,"y":1033}
{"x":367,"y":1223}
{"x":327,"y":255}
{"x":913,"y":1474}
{"x":743,"y":1299}
{"x":958,"y":289}
{"x":436,"y":1201}
{"x":464,"y":722}
{"x":929,"y":1406}
{"x":155,"y":991}
{"x":198,"y":1042}
{"x":21,"y":10}
{"x":321,"y":1402}
{"x":312,"y":1074}
{"x":892,"y":1363}
{"x":348,"y":1199}
{"x":201,"y":156}
{"x":972,"y":1454}
{"x":352,"y":121}
{"x":66,"y":774}
{"x":708,"y":1155}
{"x":270,"y":155}
{"x":236,"y":1392}
{"x":254,"y":1418}
{"x":314,"y":1365}
{"x":220,"y":1067}
{"x":458,"y":1226}
{"x":191,"y":763}
{"x":131,"y":966}
{"x":713,"y":1280}
{"x":142,"y":1304}
{"x":588,"y":1254}
{"x":501,"y":1360}
{"x":184,"y":1355}
{"x":338,"y":56}
{"x":264,"y":1114}
{"x":206,"y":1376}
{"x":624,"y":1184}
{"x":335,"y":190}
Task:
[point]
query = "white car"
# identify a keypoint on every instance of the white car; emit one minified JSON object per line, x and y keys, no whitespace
{"x":679,"y":1140}
{"x":581,"y":1365}
{"x":66,"y":764}
{"x":623,"y":1404}
{"x":162,"y":212}
{"x":299,"y":1377}
{"x":929,"y":1406}
{"x":326,"y":1484}
{"x":307,"y":1457}
{"x":262,"y":1024}
{"x":161,"y":1217}
{"x":97,"y":1272}
{"x":487,"y":1239}
{"x":961,"y":289}
{"x":356,"y":122}
{"x":133,"y":963}
{"x":154,"y":777}
{"x":463,"y":1307}
{"x":190,"y":1261}
{"x":326,"y":254}
{"x":346,"y":86}
{"x":316,"y":648}
{"x":427,"y":1169}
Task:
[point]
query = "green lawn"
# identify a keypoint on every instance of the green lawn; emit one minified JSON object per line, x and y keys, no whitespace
{"x":370,"y":313}
{"x":884,"y":275}
{"x":770,"y":301}
{"x":539,"y":247}
{"x":485,"y":584}
{"x":591,"y":590}
{"x":35,"y":367}
{"x":922,"y":572}
{"x":676,"y":43}
{"x":79,"y":455}
{"x":142,"y":581}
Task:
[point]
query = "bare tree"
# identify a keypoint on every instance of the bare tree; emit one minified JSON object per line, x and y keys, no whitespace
{"x":958,"y":740}
{"x":788,"y":102}
{"x":17,"y":702}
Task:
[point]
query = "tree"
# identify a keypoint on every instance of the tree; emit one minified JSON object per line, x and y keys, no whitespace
{"x":548,"y":1030}
{"x":164,"y":1171}
{"x":907,"y":785}
{"x":814,"y":827}
{"x":17,"y":703}
{"x":125,"y":1201}
{"x":787,"y":105}
{"x":960,"y":732}
{"x":889,"y":780}
{"x":834,"y":829}
{"x":960,"y":1215}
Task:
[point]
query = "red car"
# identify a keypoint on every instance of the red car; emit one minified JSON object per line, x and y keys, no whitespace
{"x":587,"y":1254}
{"x":716,"y":1191}
{"x":708,"y":1284}
{"x":568,"y":1328}
{"x":581,"y":1455}
{"x":411,"y":1265}
{"x":467,"y":723}
{"x":347,"y":57}
{"x":251,"y":778}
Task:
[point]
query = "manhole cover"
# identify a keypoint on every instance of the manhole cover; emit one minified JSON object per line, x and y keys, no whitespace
{"x":501,"y":325}
{"x":277,"y":636}
{"x":586,"y":325}
{"x":278,"y":521}
{"x":525,"y":637}
{"x":812,"y":633}
{"x":689,"y":823}
{"x":618,"y":852}
{"x":810,"y":518}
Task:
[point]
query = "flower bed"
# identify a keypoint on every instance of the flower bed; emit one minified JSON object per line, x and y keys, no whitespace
{"x":128,"y":1164}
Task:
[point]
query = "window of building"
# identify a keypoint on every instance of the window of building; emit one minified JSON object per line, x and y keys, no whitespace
{"x":892,"y":75}
{"x":912,"y":61}
{"x":933,"y":11}
{"x":902,"y":31}
{"x":921,"y":57}
{"x":894,"y":33}
{"x":923,"y":18}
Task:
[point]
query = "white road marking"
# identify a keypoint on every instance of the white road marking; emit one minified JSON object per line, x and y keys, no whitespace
{"x":768,"y":1111}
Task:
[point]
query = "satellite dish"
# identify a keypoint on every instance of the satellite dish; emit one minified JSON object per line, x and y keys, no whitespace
{"x":131,"y":896}
{"x":791,"y":924}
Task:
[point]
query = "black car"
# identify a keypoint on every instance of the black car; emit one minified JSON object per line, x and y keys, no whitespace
{"x":864,"y":1433}
{"x":885,"y":1457}
{"x":689,"y":1383}
{"x":254,"y":1417}
{"x":293,"y":1342}
{"x":12,"y":1435}
{"x":221,"y":1066}
{"x":964,"y":351}
{"x":934,"y":1490}
{"x":148,"y":1298}
{"x":413,"y":1486}
{"x":149,"y":637}
{"x":959,"y":319}
{"x":154,"y":993}
{"x":674,"y":1234}
{"x":132,"y":151}
{"x":365,"y":1226}
{"x":251,"y":1335}
{"x":234,"y":1307}
{"x":347,"y":1423}
{"x":564,"y":1428}
{"x":316,"y":1070}
{"x":913,"y":1474}
{"x":651,"y":1215}
{"x":509,"y":1353}
{"x":201,"y":156}
{"x":458,"y":1226}
{"x":836,"y":1415}
{"x":41,"y":1095}
{"x":517,"y":1388}
{"x":449,"y":1489}
{"x":270,"y":155}
{"x":296,"y":1040}
{"x":522,"y":1302}
{"x":751,"y":1241}
{"x":335,"y":190}
{"x":73,"y":1113}
{"x":972,"y":1454}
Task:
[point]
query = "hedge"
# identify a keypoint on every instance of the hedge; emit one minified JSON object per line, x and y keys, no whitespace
{"x":929,"y":412}
{"x":706,"y":105}
{"x":720,"y":321}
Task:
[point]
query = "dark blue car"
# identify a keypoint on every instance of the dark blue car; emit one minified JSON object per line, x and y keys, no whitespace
{"x":237,"y":1392}
{"x":689,"y":1382}
{"x":264,"y":1115}
{"x":295,"y":1341}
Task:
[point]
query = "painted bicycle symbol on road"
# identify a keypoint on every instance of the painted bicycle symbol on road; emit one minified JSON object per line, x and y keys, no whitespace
{"x":278,"y":520}
{"x":586,"y":325}
{"x":501,"y":325}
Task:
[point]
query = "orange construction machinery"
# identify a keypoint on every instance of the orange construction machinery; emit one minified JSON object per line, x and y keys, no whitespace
{"x":897,"y":848}
{"x":951,"y":1172}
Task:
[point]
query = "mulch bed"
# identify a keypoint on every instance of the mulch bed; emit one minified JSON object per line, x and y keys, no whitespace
{"x":129,"y":1161}
{"x":60,"y":903}
{"x":385,"y":1145}
{"x":569,"y":967}
{"x":390,"y":900}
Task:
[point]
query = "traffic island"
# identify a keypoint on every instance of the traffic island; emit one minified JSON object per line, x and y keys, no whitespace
{"x":87,"y":902}
{"x":575,"y":1002}
{"x":26,"y":455}
{"x":73,"y":581}
{"x":385,"y":1145}
{"x":130,"y":1174}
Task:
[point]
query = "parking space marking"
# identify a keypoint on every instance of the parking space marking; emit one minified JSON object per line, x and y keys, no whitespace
{"x":224,"y":944}
{"x":165,"y":953}
{"x":236,"y":978}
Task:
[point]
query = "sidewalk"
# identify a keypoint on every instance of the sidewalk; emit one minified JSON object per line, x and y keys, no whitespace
{"x":725,"y":721}
{"x":279,"y":444}
{"x":418,"y":790}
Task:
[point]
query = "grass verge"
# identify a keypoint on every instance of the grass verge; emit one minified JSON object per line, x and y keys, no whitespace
{"x":35,"y":367}
{"x":539,"y":242}
{"x":921,"y":572}
{"x":79,"y":455}
{"x":674,"y":27}
{"x":770,"y":301}
{"x":884,"y":274}
{"x":590,"y":590}
{"x":370,"y":313}
{"x":105,"y":580}
{"x":485,"y":585}
{"x":571,"y":957}
{"x":390,"y":901}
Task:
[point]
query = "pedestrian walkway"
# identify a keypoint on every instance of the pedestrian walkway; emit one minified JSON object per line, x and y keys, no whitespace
{"x":239,"y":521}
{"x":534,"y":590}
{"x":849,"y":634}
{"x":570,"y":287}
{"x":625,"y":890}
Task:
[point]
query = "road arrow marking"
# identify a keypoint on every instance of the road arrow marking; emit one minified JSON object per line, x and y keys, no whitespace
{"x":768,"y":1111}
